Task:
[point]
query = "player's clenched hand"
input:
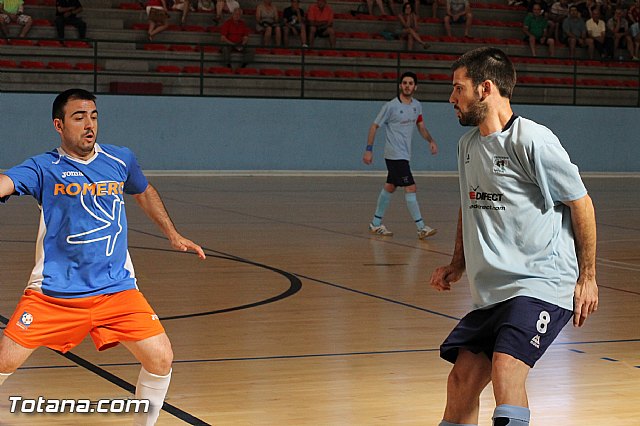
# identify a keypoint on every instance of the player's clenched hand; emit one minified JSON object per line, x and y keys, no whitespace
{"x":184,"y":244}
{"x":367,"y":158}
{"x":444,"y":276}
{"x":585,"y":300}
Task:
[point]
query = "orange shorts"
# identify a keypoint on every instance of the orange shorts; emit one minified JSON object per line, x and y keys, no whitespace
{"x":61,"y":324}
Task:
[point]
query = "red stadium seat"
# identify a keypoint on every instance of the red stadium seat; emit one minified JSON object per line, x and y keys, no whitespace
{"x":247,"y":71}
{"x":85,"y":66}
{"x":50,"y":43}
{"x":369,"y":74}
{"x":271,"y":72}
{"x":293,"y":72}
{"x":59,"y":66}
{"x":32,"y":65}
{"x":210,"y":49}
{"x":8,"y":63}
{"x":182,"y":48}
{"x":191,"y":69}
{"x":219,"y":70}
{"x":77,"y":44}
{"x":156,"y":47}
{"x":345,"y":74}
{"x":21,"y":42}
{"x":171,"y":69}
{"x":321,"y":73}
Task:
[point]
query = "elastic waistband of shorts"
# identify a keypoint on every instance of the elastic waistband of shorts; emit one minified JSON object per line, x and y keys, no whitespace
{"x":75,"y":302}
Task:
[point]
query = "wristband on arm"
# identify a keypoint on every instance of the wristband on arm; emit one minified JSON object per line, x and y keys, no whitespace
{"x":369,"y":148}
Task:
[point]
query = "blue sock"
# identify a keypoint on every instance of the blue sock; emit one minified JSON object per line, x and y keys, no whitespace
{"x":511,"y":415}
{"x":414,"y":209}
{"x":383,"y":202}
{"x":446,"y":423}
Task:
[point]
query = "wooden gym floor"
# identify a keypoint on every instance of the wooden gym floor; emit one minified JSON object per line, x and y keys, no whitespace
{"x":300,"y":317}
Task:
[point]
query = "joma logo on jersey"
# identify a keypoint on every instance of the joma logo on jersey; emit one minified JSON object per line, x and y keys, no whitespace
{"x":98,"y":189}
{"x":71,"y":173}
{"x":489,"y":196}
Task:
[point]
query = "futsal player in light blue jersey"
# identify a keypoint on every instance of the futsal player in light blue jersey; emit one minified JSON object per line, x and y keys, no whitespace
{"x":526,"y":238}
{"x":83,"y":281}
{"x":400,"y":116}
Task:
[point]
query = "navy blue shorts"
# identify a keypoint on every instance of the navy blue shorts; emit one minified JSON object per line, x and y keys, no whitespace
{"x":399,"y":173}
{"x":522,"y":327}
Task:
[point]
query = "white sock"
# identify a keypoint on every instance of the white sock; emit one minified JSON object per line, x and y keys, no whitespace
{"x":4,"y":376}
{"x":154,"y":388}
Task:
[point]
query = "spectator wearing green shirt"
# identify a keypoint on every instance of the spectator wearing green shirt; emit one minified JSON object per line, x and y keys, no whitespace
{"x":13,"y":11}
{"x":536,"y":28}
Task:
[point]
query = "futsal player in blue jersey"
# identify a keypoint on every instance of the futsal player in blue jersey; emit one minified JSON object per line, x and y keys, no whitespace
{"x":83,"y":281}
{"x":526,"y":238}
{"x":401,"y":116}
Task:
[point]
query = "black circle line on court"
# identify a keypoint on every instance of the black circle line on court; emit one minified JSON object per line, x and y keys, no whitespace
{"x":294,"y":287}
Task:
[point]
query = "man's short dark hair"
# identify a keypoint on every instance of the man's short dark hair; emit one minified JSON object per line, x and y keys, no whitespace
{"x":61,"y":101}
{"x":489,"y":63}
{"x":410,"y":74}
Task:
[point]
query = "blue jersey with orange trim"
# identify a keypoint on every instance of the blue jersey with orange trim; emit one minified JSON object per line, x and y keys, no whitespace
{"x":81,"y":247}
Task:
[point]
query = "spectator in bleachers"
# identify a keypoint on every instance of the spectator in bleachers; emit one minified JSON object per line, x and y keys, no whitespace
{"x":597,"y":35}
{"x":458,"y":12}
{"x":67,"y":14}
{"x":268,"y":23}
{"x":294,"y":23}
{"x":536,"y":30}
{"x":206,"y":6}
{"x":409,"y":26}
{"x":225,"y":6}
{"x":13,"y":11}
{"x":543,"y":5}
{"x":634,"y":18}
{"x":433,"y":3}
{"x":158,"y":16}
{"x":558,"y":13}
{"x":380,"y":5}
{"x":574,"y":31}
{"x":235,"y":34}
{"x":182,"y":6}
{"x":320,"y":19}
{"x":618,"y":28}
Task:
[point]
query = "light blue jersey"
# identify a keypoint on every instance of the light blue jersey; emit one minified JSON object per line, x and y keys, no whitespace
{"x":517,"y":234}
{"x":401,"y":120}
{"x":81,"y":248}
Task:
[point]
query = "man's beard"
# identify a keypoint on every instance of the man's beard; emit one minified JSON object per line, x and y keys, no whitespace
{"x":475,"y":115}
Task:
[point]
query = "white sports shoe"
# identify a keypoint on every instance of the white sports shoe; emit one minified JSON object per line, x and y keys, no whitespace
{"x":426,"y":232}
{"x":380,"y":230}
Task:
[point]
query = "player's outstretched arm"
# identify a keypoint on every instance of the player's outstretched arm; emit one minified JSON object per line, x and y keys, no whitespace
{"x":6,"y":186}
{"x":583,"y":221}
{"x":444,"y":276}
{"x":151,"y":203}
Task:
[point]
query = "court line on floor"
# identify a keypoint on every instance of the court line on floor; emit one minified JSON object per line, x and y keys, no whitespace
{"x":81,"y":362}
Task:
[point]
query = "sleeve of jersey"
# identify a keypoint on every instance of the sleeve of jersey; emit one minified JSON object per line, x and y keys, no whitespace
{"x":136,"y":180}
{"x":382,"y":115}
{"x":27,"y":180}
{"x":557,"y":176}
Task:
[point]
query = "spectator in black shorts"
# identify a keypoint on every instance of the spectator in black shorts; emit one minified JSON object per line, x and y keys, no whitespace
{"x":293,"y":20}
{"x":320,"y":19}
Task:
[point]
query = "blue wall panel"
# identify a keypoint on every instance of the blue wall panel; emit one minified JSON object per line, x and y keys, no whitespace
{"x":170,"y":133}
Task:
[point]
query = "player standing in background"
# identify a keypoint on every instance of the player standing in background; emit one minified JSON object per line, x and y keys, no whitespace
{"x":400,"y":116}
{"x":83,"y":281}
{"x":526,"y":237}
